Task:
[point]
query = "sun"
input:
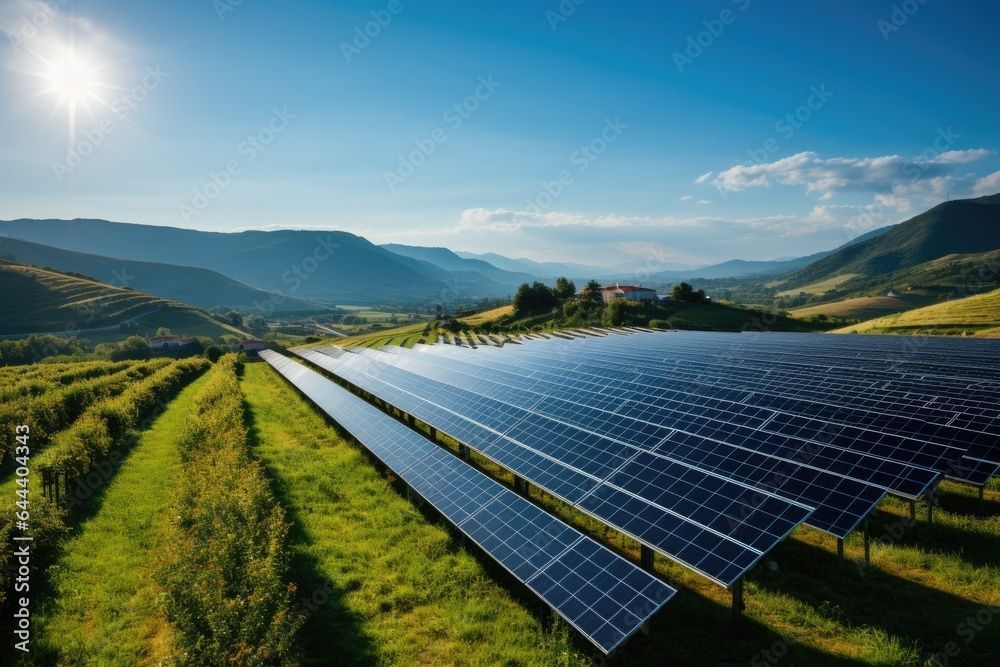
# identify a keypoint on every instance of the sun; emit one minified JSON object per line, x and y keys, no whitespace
{"x":71,"y":78}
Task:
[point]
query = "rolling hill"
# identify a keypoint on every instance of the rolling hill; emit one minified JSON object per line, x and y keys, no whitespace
{"x":332,"y":266}
{"x":978,"y":315}
{"x":953,"y":227}
{"x":44,"y":301}
{"x":199,"y":287}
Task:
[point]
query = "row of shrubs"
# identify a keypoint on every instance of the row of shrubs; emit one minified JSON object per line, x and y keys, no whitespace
{"x":80,"y":448}
{"x":224,"y":565}
{"x":56,"y":410}
{"x":73,"y":452}
{"x":48,"y":377}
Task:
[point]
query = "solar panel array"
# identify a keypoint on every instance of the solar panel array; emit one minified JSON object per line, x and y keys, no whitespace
{"x":601,"y":594}
{"x":708,"y":447}
{"x":711,"y":523}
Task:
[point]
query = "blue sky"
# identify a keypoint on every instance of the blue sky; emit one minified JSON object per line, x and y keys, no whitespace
{"x":579,"y":130}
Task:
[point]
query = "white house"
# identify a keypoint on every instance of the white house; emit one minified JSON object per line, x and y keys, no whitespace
{"x":168,"y":342}
{"x":627,"y":292}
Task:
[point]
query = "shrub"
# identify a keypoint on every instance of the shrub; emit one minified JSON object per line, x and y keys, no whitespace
{"x":225,"y":564}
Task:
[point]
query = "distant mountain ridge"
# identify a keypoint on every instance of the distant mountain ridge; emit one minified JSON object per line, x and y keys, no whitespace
{"x":197,"y":286}
{"x":451,"y":261}
{"x":332,"y":266}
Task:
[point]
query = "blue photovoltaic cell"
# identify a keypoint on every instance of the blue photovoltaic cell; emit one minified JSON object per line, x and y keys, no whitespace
{"x":724,"y":508}
{"x":601,"y":594}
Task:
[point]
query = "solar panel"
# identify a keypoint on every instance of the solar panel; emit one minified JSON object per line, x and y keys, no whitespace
{"x":841,"y":503}
{"x":733,"y":508}
{"x":601,"y":594}
{"x":627,"y":401}
{"x":915,"y":450}
{"x":968,"y":420}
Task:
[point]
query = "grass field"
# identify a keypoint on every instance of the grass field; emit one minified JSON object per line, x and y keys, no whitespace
{"x":863,"y":307}
{"x":821,"y":287}
{"x":104,"y":607}
{"x":381,"y":584}
{"x":42,"y":301}
{"x":976,"y":315}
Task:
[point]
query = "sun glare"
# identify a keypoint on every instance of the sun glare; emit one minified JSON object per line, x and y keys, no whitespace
{"x":71,"y":79}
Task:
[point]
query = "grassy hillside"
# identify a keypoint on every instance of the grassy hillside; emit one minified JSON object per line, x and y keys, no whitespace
{"x":196,"y":286}
{"x":863,"y":307}
{"x":961,"y":226}
{"x":978,"y":314}
{"x":43,"y":301}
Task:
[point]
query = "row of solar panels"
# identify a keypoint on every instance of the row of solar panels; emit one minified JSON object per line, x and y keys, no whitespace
{"x":601,"y":594}
{"x":606,"y":418}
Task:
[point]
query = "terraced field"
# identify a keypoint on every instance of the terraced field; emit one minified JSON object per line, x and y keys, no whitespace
{"x":41,"y":301}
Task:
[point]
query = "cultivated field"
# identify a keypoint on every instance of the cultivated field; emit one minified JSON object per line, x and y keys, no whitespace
{"x":974,"y":315}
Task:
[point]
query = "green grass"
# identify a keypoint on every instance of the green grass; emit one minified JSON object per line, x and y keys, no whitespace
{"x":820,"y":287}
{"x":43,"y":301}
{"x":979,"y":315}
{"x":103,"y":607}
{"x":385,"y":585}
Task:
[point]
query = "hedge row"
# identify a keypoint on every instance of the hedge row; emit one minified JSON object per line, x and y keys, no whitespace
{"x":73,"y":453}
{"x":224,"y":565}
{"x":52,"y":376}
{"x":80,"y":448}
{"x":57,"y":409}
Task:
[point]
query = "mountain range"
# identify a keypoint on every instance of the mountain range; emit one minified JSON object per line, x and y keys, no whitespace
{"x":296,"y":270}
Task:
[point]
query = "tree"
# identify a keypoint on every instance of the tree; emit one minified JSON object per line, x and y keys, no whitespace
{"x":164,"y":331}
{"x":592,"y":292}
{"x":685,"y":292}
{"x":234,"y":318}
{"x":256,"y":324}
{"x":565,"y":288}
{"x":533,"y":299}
{"x":213,"y":352}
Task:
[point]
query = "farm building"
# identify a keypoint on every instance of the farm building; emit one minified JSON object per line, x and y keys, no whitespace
{"x":253,"y":345}
{"x":627,"y":292}
{"x":168,"y":342}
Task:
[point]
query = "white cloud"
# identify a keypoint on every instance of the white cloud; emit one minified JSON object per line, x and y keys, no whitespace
{"x":703,"y":202}
{"x":987,"y":185}
{"x":686,"y":198}
{"x":887,"y":173}
{"x":704,"y":177}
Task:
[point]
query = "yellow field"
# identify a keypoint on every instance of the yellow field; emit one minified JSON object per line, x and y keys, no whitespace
{"x":822,"y":287}
{"x":978,"y":315}
{"x":488,"y":315}
{"x":863,"y":307}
